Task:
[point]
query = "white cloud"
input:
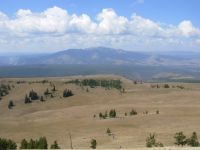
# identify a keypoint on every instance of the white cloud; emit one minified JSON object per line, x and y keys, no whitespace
{"x":187,"y":29}
{"x":111,"y":23}
{"x":56,"y":29}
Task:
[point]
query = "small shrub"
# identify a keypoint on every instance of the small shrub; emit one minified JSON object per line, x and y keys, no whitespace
{"x":108,"y":131}
{"x":166,"y":86}
{"x":157,"y":111}
{"x":55,"y":145}
{"x":133,"y":112}
{"x":151,"y":141}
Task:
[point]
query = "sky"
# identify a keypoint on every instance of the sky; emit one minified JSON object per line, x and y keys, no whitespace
{"x":43,"y":26}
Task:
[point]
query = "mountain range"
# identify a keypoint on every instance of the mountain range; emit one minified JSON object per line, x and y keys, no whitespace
{"x":103,"y":56}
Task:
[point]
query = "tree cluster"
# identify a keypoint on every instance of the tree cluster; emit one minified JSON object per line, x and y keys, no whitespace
{"x":67,"y":93}
{"x":4,"y":90}
{"x":182,"y":140}
{"x":34,"y":144}
{"x":133,"y":112}
{"x":112,"y":114}
{"x":33,"y":95}
{"x":6,"y":144}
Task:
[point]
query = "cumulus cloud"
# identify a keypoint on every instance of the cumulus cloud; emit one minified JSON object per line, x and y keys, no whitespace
{"x":111,"y":23}
{"x":56,"y":29}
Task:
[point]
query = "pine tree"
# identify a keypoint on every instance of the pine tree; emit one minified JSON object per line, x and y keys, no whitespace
{"x":133,"y":112}
{"x":41,"y":99}
{"x":24,"y":144}
{"x":31,"y":144}
{"x":112,"y":113}
{"x":108,"y":131}
{"x":10,"y":104}
{"x":6,"y":144}
{"x":46,"y":92}
{"x":67,"y":93}
{"x":193,"y":140}
{"x":27,"y":99}
{"x":54,"y":88}
{"x":93,"y":144}
{"x":180,"y":139}
{"x":42,"y":143}
{"x":33,"y":95}
{"x":100,"y":115}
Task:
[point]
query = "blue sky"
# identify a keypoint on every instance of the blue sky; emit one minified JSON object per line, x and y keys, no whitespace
{"x":166,"y":21}
{"x":168,"y":11}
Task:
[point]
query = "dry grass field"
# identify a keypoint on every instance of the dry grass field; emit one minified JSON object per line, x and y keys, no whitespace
{"x":179,"y":110}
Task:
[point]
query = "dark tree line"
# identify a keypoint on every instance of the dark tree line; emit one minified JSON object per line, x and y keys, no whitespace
{"x":40,"y":143}
{"x":34,"y":144}
{"x":94,"y":83}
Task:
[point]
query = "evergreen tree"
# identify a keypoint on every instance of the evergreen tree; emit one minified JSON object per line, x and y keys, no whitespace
{"x":112,"y":113}
{"x":193,"y":140}
{"x":31,"y":144}
{"x":100,"y":115}
{"x":46,"y":92}
{"x":24,"y":144}
{"x":33,"y":95}
{"x":93,"y":144}
{"x":55,"y":145}
{"x":108,"y":131}
{"x":67,"y":93}
{"x":54,"y":88}
{"x":10,"y":104}
{"x":6,"y":144}
{"x":41,"y":99}
{"x":27,"y":99}
{"x":133,"y":112}
{"x":180,"y":139}
{"x":42,"y":143}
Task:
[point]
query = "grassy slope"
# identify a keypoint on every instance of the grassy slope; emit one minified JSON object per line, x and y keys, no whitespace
{"x":55,"y":118}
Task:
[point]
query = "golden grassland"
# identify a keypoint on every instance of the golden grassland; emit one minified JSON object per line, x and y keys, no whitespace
{"x":179,"y":110}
